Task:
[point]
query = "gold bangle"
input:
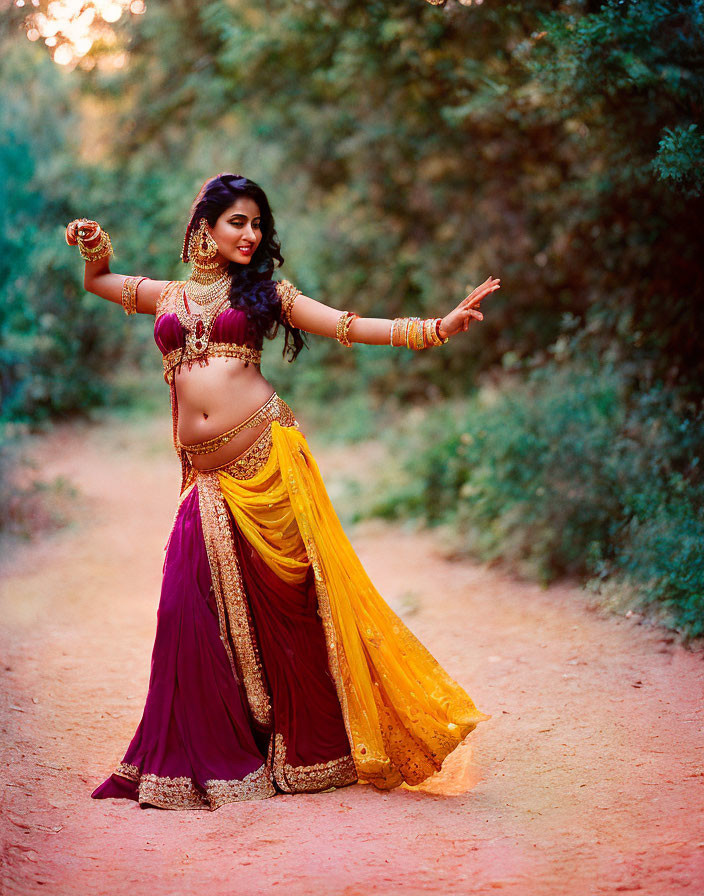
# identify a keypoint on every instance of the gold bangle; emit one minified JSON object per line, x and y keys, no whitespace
{"x":437,"y":338}
{"x":344,"y":323}
{"x":410,"y":330}
{"x":346,"y":329}
{"x":403,"y":331}
{"x":87,"y":251}
{"x":103,"y":248}
{"x":415,"y":334}
{"x":431,"y":336}
{"x":129,"y":293}
{"x":395,"y":337}
{"x":420,"y":335}
{"x":427,"y":338}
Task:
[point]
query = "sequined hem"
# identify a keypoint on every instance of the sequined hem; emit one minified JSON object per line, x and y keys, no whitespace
{"x":308,"y":778}
{"x":184,"y":793}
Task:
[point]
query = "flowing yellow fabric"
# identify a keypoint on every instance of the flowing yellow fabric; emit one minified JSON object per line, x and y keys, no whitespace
{"x":403,"y":712}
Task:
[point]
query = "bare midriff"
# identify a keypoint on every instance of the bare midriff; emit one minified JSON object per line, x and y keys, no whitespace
{"x":214,"y":399}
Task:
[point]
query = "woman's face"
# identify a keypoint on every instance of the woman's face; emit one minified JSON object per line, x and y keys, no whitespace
{"x":238,"y":231}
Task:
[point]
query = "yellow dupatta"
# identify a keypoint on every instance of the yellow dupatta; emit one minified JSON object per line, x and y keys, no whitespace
{"x":403,"y":713}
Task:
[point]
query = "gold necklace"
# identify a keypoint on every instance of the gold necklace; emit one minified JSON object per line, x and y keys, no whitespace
{"x":197,"y":326}
{"x":206,"y":292}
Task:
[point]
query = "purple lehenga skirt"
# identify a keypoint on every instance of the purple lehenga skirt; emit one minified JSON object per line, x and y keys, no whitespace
{"x":241,"y":703}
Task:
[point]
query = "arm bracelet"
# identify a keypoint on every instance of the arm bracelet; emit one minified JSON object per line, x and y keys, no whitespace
{"x":102,"y":249}
{"x":344,"y":323}
{"x":415,"y":333}
{"x":129,"y":293}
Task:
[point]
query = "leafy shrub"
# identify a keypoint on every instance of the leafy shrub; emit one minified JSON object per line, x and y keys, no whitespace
{"x":568,"y":474}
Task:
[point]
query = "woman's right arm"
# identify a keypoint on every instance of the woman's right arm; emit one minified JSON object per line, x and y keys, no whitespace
{"x":99,"y":280}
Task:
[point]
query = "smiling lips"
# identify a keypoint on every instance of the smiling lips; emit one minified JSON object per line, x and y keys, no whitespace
{"x":245,"y":250}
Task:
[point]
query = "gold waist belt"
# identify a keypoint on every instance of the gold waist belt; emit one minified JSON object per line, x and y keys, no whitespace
{"x":272,"y":409}
{"x":180,"y":356}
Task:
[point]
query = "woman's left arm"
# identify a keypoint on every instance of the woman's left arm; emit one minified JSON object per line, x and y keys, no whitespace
{"x":315,"y":317}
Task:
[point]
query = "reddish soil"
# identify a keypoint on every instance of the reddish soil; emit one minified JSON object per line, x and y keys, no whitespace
{"x":588,"y":778}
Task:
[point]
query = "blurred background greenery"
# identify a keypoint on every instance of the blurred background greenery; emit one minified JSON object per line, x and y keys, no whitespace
{"x":408,"y":151}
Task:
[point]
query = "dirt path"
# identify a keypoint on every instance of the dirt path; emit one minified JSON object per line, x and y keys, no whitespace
{"x":588,"y":779}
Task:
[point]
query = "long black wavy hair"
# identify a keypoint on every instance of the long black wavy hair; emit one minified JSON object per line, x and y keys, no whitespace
{"x":253,"y":290}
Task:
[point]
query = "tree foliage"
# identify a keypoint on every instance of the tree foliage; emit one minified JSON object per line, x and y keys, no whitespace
{"x":409,"y":150}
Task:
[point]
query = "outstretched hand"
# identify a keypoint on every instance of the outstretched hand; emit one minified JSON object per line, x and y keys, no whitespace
{"x":89,"y":230}
{"x":468,"y":309}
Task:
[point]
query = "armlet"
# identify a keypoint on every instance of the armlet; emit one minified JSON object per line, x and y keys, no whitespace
{"x":288,"y":295}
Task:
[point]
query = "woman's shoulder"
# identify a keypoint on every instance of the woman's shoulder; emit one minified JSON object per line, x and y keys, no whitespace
{"x":288,"y":294}
{"x":283,"y":287}
{"x":166,"y":300}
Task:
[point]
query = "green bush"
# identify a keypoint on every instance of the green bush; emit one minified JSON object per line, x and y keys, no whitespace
{"x":569,"y":473}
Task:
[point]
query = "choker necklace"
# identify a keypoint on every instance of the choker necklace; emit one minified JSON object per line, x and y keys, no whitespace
{"x":206,"y":291}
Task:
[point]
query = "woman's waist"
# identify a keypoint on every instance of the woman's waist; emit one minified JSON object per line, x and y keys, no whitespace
{"x":226,"y":418}
{"x":216,"y":397}
{"x":225,"y":444}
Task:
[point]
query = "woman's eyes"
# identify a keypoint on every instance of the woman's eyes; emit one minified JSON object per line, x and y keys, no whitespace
{"x":257,"y":224}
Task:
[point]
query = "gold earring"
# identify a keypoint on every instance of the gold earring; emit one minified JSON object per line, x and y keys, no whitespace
{"x":203,"y":247}
{"x":202,"y":250}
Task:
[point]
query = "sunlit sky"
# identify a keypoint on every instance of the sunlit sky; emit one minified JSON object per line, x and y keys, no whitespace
{"x":69,"y":28}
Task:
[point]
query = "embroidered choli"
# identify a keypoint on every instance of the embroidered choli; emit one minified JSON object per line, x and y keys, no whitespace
{"x":227,"y":337}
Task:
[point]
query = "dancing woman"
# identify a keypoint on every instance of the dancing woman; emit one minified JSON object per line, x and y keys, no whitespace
{"x":276,"y":666}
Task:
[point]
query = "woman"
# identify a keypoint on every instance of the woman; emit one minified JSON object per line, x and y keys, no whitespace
{"x":276,"y":667}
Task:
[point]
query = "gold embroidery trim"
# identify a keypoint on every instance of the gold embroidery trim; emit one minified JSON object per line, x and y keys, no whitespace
{"x":184,"y":793}
{"x":268,"y":412}
{"x":254,"y":458}
{"x":251,"y":461}
{"x":177,"y":357}
{"x":308,"y":778}
{"x":288,"y":295}
{"x":236,"y":627}
{"x":166,"y":301}
{"x":131,"y":772}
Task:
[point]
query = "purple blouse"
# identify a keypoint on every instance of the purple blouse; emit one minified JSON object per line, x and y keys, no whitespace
{"x":229,"y":326}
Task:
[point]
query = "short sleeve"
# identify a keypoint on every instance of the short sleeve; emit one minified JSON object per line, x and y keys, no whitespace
{"x":288,"y":295}
{"x":165,"y":302}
